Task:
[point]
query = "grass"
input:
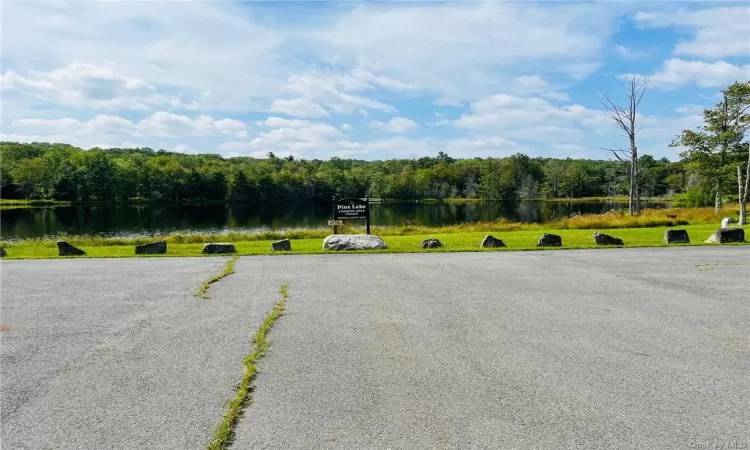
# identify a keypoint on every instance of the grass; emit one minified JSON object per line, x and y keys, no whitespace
{"x":452,"y":241}
{"x":224,"y":433}
{"x":228,"y":270}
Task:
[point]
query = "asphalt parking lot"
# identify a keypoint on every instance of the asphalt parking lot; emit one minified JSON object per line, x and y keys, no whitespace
{"x":619,"y":348}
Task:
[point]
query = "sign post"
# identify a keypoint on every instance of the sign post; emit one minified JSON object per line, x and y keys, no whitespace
{"x":335,"y":223}
{"x":351,"y":208}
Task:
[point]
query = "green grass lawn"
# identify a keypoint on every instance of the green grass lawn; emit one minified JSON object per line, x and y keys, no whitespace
{"x":453,"y":242}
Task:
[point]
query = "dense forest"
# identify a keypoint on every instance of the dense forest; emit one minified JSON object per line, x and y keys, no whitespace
{"x":63,"y":172}
{"x":714,"y":159}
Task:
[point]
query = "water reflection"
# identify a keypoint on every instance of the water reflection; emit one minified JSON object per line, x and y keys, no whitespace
{"x":118,"y":220}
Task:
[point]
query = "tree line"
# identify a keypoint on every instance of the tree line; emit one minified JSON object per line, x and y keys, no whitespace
{"x":66,"y":173}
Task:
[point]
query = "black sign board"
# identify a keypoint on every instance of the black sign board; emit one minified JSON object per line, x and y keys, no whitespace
{"x":352,"y":209}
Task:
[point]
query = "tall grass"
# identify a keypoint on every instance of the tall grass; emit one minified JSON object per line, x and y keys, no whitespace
{"x":613,"y":219}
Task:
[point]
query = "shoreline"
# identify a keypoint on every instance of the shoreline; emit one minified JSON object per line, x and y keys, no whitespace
{"x":15,"y":204}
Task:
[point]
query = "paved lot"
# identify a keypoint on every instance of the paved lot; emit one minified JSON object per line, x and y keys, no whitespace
{"x":114,"y":354}
{"x":620,"y":348}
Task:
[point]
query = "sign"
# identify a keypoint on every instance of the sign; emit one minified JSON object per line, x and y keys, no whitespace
{"x":352,"y":209}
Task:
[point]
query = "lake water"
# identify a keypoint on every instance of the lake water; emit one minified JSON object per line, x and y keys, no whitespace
{"x":129,"y":220}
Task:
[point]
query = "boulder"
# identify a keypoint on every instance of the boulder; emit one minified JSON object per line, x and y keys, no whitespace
{"x":65,"y":249}
{"x":491,"y":242}
{"x":353,"y":242}
{"x":605,"y":239}
{"x":282,"y":245}
{"x":549,"y":240}
{"x":726,"y":235}
{"x":215,"y":249}
{"x":3,"y":253}
{"x":152,"y":248}
{"x":431,"y":243}
{"x":676,"y":237}
{"x":726,"y":221}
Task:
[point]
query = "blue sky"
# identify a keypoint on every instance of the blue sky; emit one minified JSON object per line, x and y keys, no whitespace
{"x":361,"y":79}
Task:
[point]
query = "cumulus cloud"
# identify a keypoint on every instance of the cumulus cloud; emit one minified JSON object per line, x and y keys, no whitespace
{"x":718,"y":32}
{"x":676,"y":73}
{"x":395,"y":125}
{"x":334,"y":92}
{"x":298,"y":107}
{"x":90,"y":86}
{"x":160,"y":124}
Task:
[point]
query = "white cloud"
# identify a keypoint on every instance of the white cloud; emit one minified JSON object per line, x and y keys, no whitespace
{"x":298,"y":107}
{"x":530,"y":117}
{"x":90,"y":86}
{"x":160,"y":124}
{"x":346,"y":126}
{"x":628,"y":53}
{"x":289,"y":135}
{"x":435,"y":43}
{"x":395,"y":125}
{"x":677,"y":72}
{"x":690,"y":109}
{"x":328,"y":90}
{"x":719,"y":32}
{"x":557,"y":96}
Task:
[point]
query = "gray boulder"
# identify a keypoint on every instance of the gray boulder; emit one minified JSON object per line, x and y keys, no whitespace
{"x":490,"y":241}
{"x":353,"y":242}
{"x":605,"y":239}
{"x":549,"y":240}
{"x":726,"y":235}
{"x":726,"y":221}
{"x":152,"y":248}
{"x":65,"y":249}
{"x":431,"y":243}
{"x":215,"y":249}
{"x":3,"y":253}
{"x":282,"y":245}
{"x":676,"y":237}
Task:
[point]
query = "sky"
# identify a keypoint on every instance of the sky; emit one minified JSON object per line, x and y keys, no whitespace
{"x":361,"y":79}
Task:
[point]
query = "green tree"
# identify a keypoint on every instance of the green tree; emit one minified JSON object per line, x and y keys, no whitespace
{"x":715,"y":150}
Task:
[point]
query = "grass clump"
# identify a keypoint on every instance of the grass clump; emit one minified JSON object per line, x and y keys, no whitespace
{"x":224,"y":433}
{"x":228,"y":270}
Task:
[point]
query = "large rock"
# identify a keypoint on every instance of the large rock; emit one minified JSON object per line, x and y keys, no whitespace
{"x":605,"y":239}
{"x":3,"y":254}
{"x":726,"y":221}
{"x":676,"y":237}
{"x":549,"y":240}
{"x":282,"y":245}
{"x":726,"y":235}
{"x":353,"y":242}
{"x":152,"y":248}
{"x":490,"y":241}
{"x":65,"y":249}
{"x":431,"y":243}
{"x":215,"y":249}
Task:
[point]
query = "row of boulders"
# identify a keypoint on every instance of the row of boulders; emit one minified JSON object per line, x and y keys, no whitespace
{"x":369,"y":242}
{"x":723,"y":235}
{"x":160,"y":248}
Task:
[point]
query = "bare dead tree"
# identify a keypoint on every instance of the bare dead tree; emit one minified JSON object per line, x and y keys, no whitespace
{"x":625,"y":119}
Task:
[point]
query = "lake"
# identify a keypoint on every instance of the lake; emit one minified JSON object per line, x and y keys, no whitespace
{"x":154,"y":219}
